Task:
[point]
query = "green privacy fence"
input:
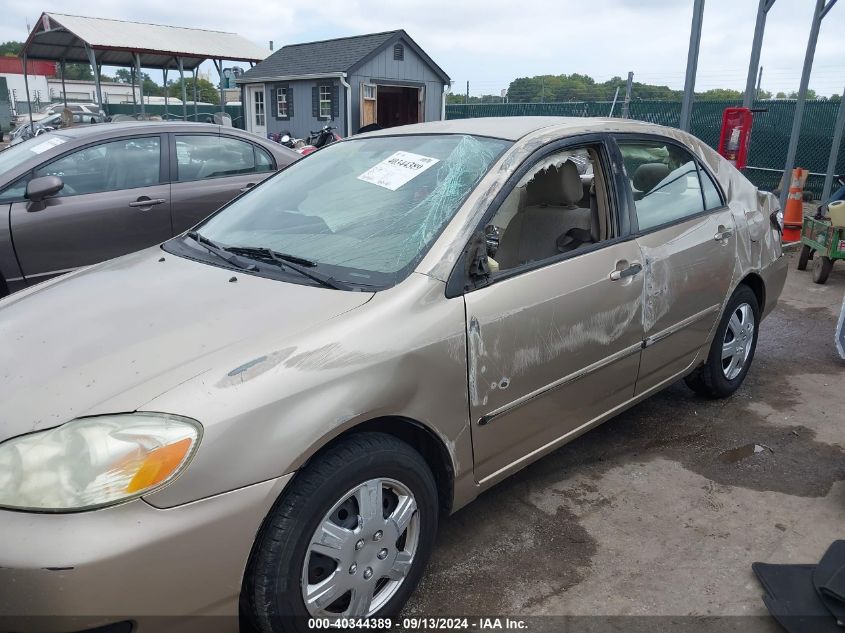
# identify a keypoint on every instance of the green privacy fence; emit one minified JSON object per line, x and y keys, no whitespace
{"x":204,"y":112}
{"x":769,"y":136}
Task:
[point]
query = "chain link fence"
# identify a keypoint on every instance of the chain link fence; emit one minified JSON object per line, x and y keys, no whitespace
{"x":769,"y":135}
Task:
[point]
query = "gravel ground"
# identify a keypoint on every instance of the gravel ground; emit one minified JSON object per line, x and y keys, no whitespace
{"x":662,"y":510}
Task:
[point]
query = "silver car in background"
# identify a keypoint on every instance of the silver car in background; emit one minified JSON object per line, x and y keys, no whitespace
{"x":267,"y":415}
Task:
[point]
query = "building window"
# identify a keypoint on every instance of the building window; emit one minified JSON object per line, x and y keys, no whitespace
{"x":325,"y":102}
{"x":398,"y":52}
{"x":282,"y":103}
{"x":369,"y":92}
{"x":259,"y":107}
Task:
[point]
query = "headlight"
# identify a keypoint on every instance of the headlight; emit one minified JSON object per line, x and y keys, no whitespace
{"x":94,"y":462}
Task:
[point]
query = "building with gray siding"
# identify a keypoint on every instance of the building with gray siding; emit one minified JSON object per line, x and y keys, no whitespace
{"x":347,"y":83}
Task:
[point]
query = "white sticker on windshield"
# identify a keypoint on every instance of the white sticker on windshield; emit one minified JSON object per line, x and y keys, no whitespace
{"x":48,"y":144}
{"x":397,"y":169}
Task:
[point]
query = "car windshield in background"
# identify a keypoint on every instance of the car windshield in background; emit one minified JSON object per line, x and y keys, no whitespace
{"x":363,"y":211}
{"x":16,"y":154}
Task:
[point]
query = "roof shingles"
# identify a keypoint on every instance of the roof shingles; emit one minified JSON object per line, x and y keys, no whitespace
{"x":315,"y":58}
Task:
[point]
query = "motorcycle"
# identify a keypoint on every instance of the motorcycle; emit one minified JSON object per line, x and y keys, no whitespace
{"x":319,"y":139}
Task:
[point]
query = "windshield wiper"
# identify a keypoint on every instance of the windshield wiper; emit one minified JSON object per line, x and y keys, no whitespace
{"x":213,"y":247}
{"x":284,"y":261}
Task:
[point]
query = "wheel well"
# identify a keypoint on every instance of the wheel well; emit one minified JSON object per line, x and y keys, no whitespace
{"x":421,"y":438}
{"x":755,"y":282}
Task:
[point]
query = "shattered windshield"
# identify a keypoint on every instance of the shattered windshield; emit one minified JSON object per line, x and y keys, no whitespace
{"x":364,"y":211}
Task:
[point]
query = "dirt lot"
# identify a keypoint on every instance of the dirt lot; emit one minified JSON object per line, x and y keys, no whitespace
{"x":662,"y":510}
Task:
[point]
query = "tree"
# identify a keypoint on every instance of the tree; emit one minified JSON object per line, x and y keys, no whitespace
{"x":206,"y":91}
{"x":10,"y":48}
{"x":780,"y":95}
{"x":811,"y":94}
{"x":836,"y":98}
{"x":123,"y":75}
{"x":720,"y":94}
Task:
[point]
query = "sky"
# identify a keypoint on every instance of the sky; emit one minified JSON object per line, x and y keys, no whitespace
{"x":491,"y":42}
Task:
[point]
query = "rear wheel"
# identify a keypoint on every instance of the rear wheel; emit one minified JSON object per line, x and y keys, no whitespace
{"x":732,"y":349}
{"x":821,"y":269}
{"x":805,"y":256}
{"x":349,"y":539}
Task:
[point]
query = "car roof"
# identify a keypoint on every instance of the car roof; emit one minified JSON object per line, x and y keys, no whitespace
{"x":516,"y":127}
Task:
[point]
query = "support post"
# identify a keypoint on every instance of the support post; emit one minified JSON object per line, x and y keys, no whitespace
{"x":818,"y":15}
{"x":218,"y":64}
{"x":140,"y":83}
{"x":692,"y":64}
{"x":28,"y":101}
{"x":196,"y":76}
{"x":132,"y":83}
{"x":164,"y":80}
{"x":184,"y":90}
{"x":626,"y":105}
{"x":613,"y":105}
{"x":92,"y":59}
{"x":836,"y":141}
{"x":759,"y":83}
{"x":62,"y":70}
{"x":756,"y":44}
{"x":466,"y":101}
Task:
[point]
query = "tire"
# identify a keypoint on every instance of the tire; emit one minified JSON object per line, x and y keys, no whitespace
{"x":714,"y":379}
{"x":283,"y":563}
{"x":804,"y":257}
{"x":821,"y":269}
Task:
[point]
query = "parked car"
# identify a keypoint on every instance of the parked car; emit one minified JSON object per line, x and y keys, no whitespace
{"x":275,"y":408}
{"x":88,"y":112}
{"x":85,"y":194}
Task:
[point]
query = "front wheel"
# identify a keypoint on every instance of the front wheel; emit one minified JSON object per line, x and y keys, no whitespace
{"x":732,"y":349}
{"x":349,"y":539}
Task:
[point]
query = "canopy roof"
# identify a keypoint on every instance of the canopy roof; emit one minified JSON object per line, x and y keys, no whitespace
{"x":57,"y":36}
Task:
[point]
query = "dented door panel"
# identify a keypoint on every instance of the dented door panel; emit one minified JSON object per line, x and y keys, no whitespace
{"x":550,"y":350}
{"x":687,"y":275}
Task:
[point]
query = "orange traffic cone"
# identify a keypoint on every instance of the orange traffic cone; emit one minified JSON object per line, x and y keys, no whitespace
{"x":793,"y":214}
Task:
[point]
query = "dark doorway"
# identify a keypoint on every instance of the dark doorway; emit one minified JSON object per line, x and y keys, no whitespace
{"x":398,"y":106}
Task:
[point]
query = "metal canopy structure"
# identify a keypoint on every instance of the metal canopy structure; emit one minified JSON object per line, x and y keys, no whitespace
{"x":106,"y":42}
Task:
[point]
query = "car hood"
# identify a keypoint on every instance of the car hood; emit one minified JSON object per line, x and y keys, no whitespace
{"x":109,"y":338}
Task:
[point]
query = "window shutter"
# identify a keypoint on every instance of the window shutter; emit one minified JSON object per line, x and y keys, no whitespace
{"x":276,"y":103}
{"x":315,"y":102}
{"x":335,"y":101}
{"x":290,"y":101}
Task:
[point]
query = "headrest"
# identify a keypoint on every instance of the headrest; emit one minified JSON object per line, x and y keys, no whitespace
{"x":571,"y":186}
{"x":555,"y":185}
{"x":649,"y":175}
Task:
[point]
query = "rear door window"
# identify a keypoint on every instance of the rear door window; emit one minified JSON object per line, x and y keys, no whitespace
{"x":664,"y":181}
{"x":209,"y":156}
{"x":125,"y":164}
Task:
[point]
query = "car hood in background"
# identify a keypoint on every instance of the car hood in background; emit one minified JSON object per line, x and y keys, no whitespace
{"x":109,"y":338}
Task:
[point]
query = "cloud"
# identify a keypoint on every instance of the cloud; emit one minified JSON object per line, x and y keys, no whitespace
{"x":490,"y":42}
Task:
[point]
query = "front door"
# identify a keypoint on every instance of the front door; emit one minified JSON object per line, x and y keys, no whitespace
{"x":115,"y":200}
{"x":688,"y":245}
{"x":256,"y":113}
{"x":369,"y":104}
{"x":554,"y":340}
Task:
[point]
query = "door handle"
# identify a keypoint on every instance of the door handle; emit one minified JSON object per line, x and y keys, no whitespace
{"x":632,"y":270}
{"x":723,"y":234}
{"x":147,"y":202}
{"x":247,"y":187}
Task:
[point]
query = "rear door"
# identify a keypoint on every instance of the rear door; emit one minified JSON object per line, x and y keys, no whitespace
{"x":115,"y":201}
{"x":688,"y":243}
{"x":208,"y":170}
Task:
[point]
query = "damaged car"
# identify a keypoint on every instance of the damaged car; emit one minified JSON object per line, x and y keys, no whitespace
{"x":285,"y":399}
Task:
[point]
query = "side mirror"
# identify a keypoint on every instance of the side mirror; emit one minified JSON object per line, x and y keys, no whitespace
{"x":40,"y":188}
{"x":477,"y":266}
